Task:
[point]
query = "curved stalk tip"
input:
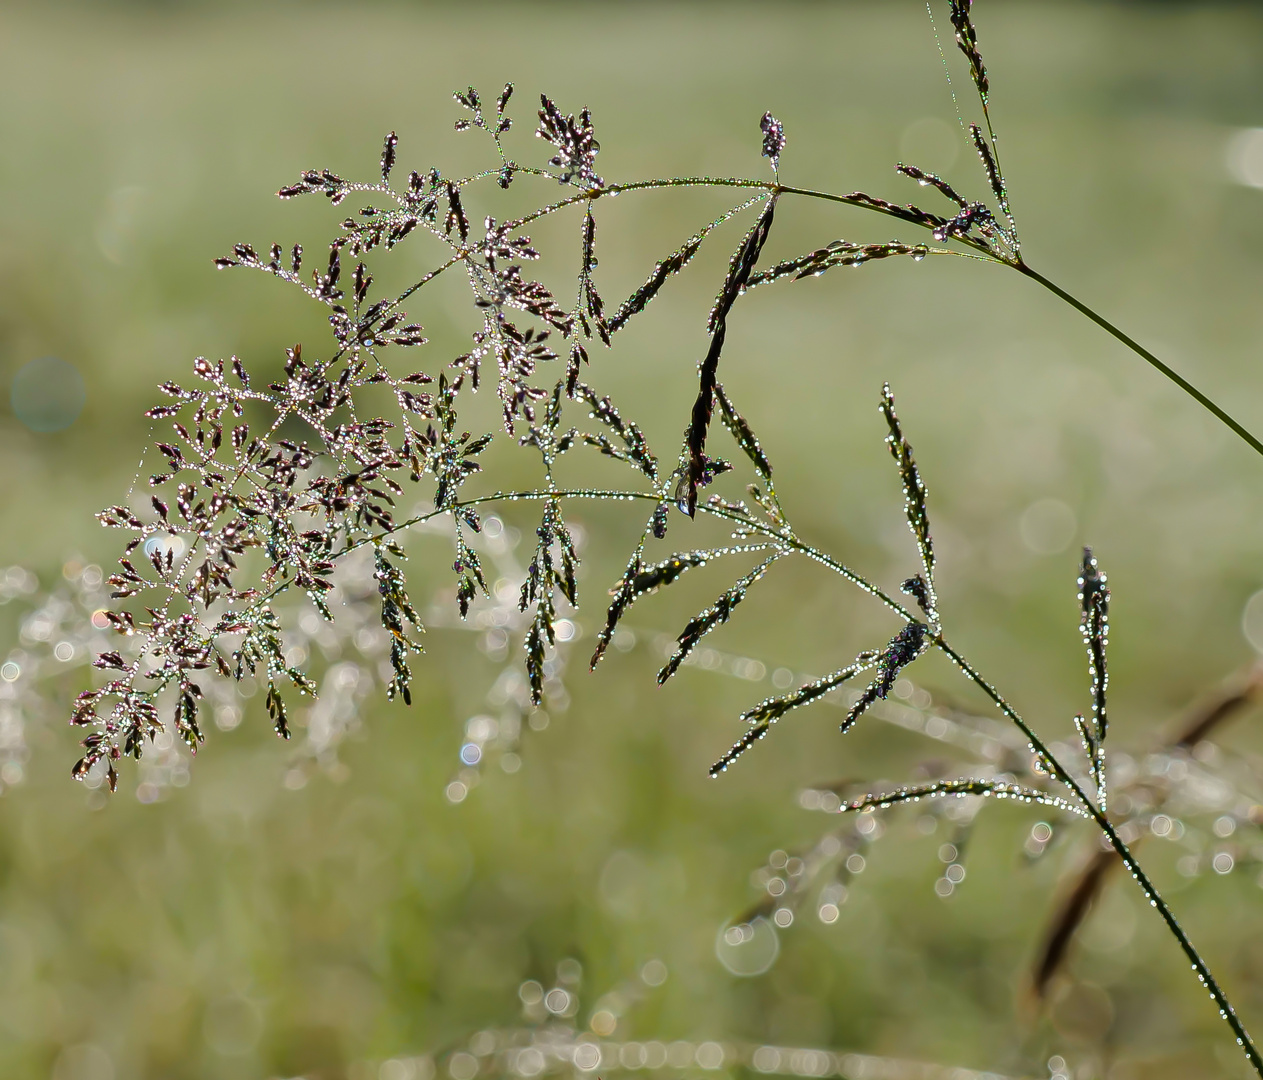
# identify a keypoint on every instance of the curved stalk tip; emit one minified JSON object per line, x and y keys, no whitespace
{"x":1145,"y":355}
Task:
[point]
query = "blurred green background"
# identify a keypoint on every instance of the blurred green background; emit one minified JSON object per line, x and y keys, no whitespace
{"x":239,"y":927}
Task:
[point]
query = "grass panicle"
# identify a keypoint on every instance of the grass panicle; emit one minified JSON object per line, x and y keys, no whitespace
{"x":266,"y":491}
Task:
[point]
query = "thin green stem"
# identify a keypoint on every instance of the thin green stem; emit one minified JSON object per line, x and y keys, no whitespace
{"x":984,"y":252}
{"x":1143,"y":353}
{"x":856,"y":199}
{"x":534,"y":495}
{"x":862,"y":202}
{"x":1122,"y":850}
{"x":1083,"y":309}
{"x":789,"y":540}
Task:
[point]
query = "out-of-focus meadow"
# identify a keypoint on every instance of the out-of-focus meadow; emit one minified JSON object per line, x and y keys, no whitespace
{"x":257,"y":916}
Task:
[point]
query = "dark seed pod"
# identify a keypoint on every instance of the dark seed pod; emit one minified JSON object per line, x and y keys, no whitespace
{"x":388,"y":156}
{"x":739,"y":270}
{"x":967,"y":42}
{"x":773,"y":139}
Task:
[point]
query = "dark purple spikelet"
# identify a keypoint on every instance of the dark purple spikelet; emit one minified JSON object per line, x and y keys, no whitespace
{"x":903,"y":648}
{"x":967,"y":42}
{"x":1094,"y":600}
{"x":739,"y":270}
{"x":992,"y":168}
{"x":388,"y":156}
{"x":773,"y":139}
{"x":574,"y":141}
{"x":928,"y":179}
{"x":836,"y":253}
{"x":916,"y":587}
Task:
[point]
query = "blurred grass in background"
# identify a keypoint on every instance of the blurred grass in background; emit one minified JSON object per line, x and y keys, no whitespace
{"x":242,"y":929}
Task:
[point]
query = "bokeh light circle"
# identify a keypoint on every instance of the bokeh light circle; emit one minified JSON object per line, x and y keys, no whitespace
{"x":1252,"y":621}
{"x":748,"y":949}
{"x":1048,"y":526}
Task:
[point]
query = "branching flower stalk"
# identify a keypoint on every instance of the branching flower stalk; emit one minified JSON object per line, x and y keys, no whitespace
{"x":264,"y":489}
{"x":913,"y":640}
